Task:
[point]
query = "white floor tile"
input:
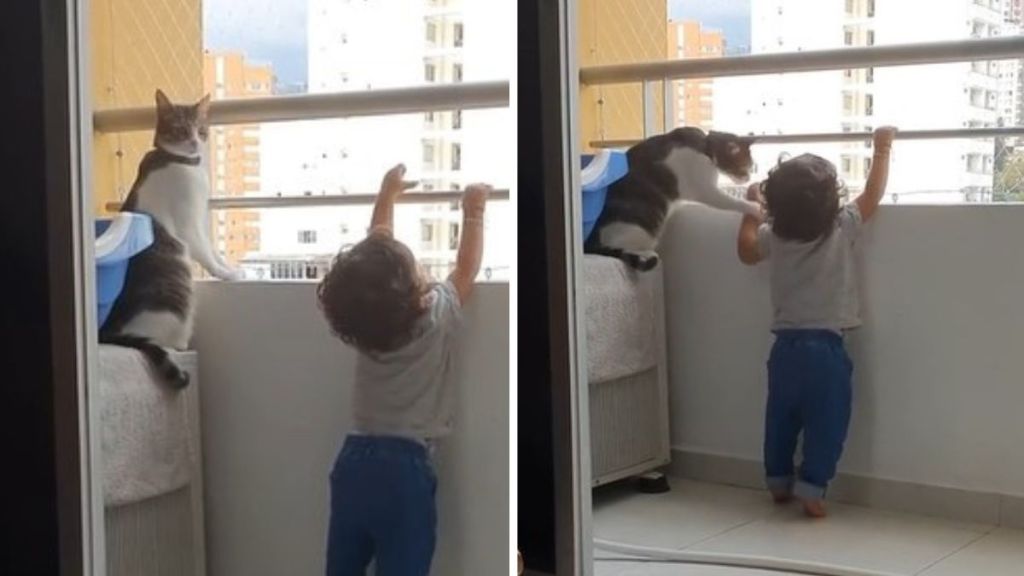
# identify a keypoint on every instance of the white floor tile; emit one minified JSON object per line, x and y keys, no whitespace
{"x":1000,"y":553}
{"x":723,"y":519}
{"x":653,"y":569}
{"x":858,"y":537}
{"x":689,"y":513}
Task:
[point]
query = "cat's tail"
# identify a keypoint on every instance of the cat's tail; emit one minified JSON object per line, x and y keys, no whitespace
{"x":157,"y":356}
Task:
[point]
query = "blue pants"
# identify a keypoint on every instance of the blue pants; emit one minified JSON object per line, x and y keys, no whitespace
{"x":809,"y":389}
{"x":382,"y":508}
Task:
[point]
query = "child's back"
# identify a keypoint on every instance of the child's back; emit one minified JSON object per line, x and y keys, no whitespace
{"x":410,"y":392}
{"x":813,"y":283}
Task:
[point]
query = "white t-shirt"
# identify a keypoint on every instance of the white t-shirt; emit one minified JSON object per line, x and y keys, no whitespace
{"x":410,"y":392}
{"x":814,"y":284}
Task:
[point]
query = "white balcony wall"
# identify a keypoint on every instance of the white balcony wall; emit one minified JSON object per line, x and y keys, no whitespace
{"x":938,"y":366}
{"x":275,"y":408}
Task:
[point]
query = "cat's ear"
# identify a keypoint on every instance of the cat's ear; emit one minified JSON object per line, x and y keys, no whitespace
{"x":163,"y":104}
{"x":203,"y":108}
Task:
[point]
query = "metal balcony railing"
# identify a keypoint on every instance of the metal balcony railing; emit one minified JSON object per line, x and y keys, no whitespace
{"x":463,"y":96}
{"x":648,"y":73}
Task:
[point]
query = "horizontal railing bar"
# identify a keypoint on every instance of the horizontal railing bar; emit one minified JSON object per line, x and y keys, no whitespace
{"x":852,"y":136}
{"x":811,"y":61}
{"x":252,"y":202}
{"x":465,"y":96}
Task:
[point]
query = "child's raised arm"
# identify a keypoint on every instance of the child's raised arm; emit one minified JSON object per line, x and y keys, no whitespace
{"x":391,"y":187}
{"x":874,"y":189}
{"x":471,"y":240}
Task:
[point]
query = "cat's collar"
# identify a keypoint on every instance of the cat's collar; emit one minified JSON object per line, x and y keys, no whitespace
{"x":178,"y":158}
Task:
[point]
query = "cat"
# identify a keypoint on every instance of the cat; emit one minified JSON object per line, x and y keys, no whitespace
{"x":156,"y":306}
{"x":681,"y":165}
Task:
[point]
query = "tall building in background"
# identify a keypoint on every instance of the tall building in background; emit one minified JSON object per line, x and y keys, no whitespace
{"x":957,"y":95}
{"x":235,"y":151}
{"x":427,"y":43}
{"x":1011,"y":93}
{"x":692,"y":98}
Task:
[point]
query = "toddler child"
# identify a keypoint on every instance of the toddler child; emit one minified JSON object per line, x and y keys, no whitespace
{"x":379,"y":300}
{"x":809,"y":241}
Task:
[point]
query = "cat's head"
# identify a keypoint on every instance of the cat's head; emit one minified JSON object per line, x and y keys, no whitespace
{"x":731,"y":154}
{"x":181,"y":129}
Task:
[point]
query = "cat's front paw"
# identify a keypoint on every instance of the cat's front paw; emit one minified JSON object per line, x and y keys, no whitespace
{"x":231,"y":275}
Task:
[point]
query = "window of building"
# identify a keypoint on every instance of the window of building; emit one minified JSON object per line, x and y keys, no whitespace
{"x":427,"y":232}
{"x":429,"y":152}
{"x":457,"y":34}
{"x":848,"y":103}
{"x":453,"y":237}
{"x":457,"y":72}
{"x":457,"y":120}
{"x":456,"y":156}
{"x":432,"y":32}
{"x":307,"y":236}
{"x":429,"y":72}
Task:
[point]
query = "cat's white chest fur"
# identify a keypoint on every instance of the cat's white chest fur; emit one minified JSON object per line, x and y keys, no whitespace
{"x":178,"y":196}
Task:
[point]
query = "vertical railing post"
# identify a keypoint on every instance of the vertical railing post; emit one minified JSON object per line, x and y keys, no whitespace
{"x":669,"y":121}
{"x":648,"y":108}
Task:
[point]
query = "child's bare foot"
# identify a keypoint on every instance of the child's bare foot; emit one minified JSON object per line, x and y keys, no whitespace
{"x":781,"y":496}
{"x":815,"y":508}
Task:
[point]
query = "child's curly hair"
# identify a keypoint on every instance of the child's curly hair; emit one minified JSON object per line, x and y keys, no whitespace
{"x":802,"y":197}
{"x":372,"y":295}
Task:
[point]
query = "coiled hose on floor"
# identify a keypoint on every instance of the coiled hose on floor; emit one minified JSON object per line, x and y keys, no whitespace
{"x":733,"y":560}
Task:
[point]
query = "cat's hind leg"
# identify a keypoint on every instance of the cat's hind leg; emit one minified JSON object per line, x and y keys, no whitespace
{"x":630,"y":243}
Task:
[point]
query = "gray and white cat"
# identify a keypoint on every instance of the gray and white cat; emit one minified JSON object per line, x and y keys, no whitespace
{"x":156,"y":306}
{"x":681,"y":165}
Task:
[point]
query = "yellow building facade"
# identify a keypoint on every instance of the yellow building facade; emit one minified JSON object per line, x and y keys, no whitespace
{"x":137,"y":46}
{"x":618,"y":32}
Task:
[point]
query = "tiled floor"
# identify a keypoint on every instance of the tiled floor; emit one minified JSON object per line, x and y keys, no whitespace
{"x":713,"y":518}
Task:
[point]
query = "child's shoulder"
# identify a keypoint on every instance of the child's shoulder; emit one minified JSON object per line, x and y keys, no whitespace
{"x":444,"y":306}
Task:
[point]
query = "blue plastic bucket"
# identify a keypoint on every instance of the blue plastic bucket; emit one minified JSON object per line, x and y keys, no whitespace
{"x":117,"y":240}
{"x":599,"y":171}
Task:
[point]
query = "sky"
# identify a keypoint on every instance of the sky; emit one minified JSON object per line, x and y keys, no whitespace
{"x":275,"y":30}
{"x":271,"y":31}
{"x":730,"y":16}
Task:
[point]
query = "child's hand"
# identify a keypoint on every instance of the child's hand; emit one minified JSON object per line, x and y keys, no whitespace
{"x":393,"y":185}
{"x":754,"y":193}
{"x":883,"y":138}
{"x":474,"y":199}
